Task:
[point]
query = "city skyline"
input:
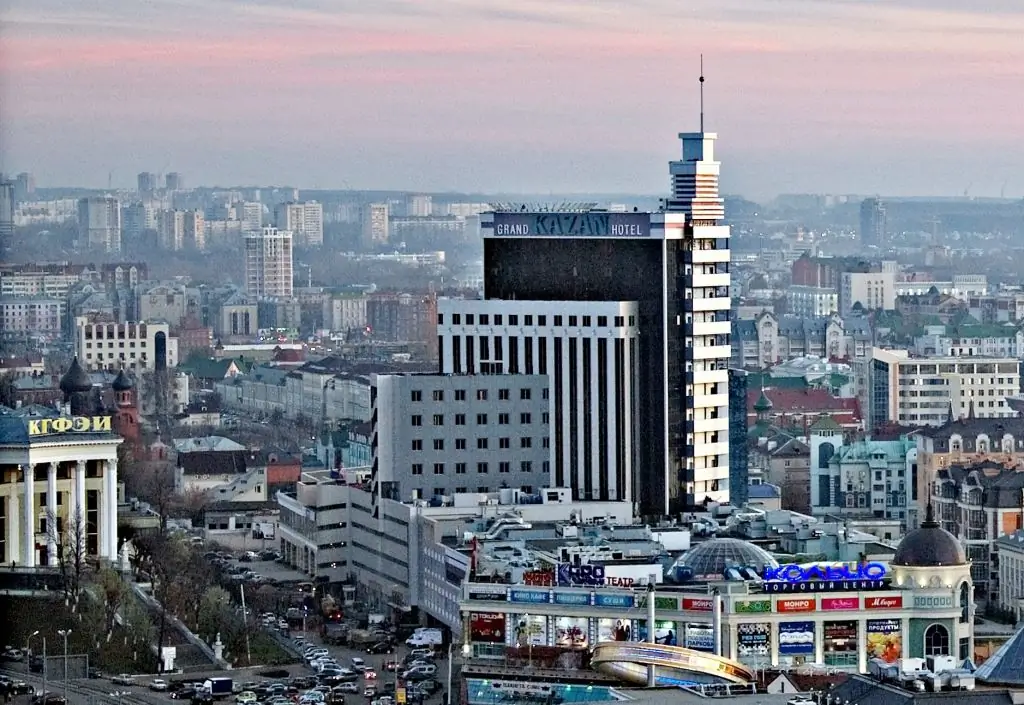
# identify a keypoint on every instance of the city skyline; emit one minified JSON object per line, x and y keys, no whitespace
{"x":909,"y":98}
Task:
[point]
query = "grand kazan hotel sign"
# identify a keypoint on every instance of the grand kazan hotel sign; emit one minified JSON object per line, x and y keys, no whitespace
{"x":826,"y":577}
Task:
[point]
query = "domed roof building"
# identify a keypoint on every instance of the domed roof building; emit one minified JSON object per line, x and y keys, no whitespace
{"x":710,"y":559}
{"x":931,"y":546}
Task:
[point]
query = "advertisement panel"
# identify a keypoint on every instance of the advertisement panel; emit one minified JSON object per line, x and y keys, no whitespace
{"x":613,"y":600}
{"x":615,"y":630}
{"x":840,"y":643}
{"x":796,"y":638}
{"x":532,"y":596}
{"x":591,"y":224}
{"x":698,"y":636}
{"x":825,"y":577}
{"x":665,"y":632}
{"x":752,"y":606}
{"x":571,"y":632}
{"x":802,"y":604}
{"x":889,"y":602}
{"x":754,"y":642}
{"x":572,"y":598}
{"x":531,"y":630}
{"x":488,"y":595}
{"x":487,"y":627}
{"x":586,"y":575}
{"x":840,"y":603}
{"x":698,"y":604}
{"x":884,"y":639}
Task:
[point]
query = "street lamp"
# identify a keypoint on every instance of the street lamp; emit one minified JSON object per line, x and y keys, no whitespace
{"x":28,"y":642}
{"x":65,"y":633}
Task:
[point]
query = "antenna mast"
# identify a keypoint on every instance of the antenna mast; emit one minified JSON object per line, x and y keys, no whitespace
{"x":702,"y":93}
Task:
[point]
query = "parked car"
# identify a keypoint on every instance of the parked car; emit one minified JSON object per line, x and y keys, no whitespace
{"x":370,"y":691}
{"x":245,"y":697}
{"x":381,"y":647}
{"x":358,"y":664}
{"x":123,"y":679}
{"x":158,"y":684}
{"x":347,"y":688}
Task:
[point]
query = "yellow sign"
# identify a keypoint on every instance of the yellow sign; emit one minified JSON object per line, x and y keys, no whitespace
{"x":400,"y":696}
{"x":69,"y":424}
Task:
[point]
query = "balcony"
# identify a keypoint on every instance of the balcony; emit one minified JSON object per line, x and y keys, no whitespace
{"x":716,"y":280}
{"x":706,"y":256}
{"x":719,"y":424}
{"x":709,"y":352}
{"x":711,"y":328}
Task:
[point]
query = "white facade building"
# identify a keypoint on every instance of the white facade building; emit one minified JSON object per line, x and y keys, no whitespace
{"x":376,"y":230}
{"x":588,"y":349}
{"x":99,"y":223}
{"x":133,"y":346}
{"x":268,"y":263}
{"x":810,"y":301}
{"x":304,"y":220}
{"x":872,"y":290}
{"x":345,"y":312}
{"x":895,"y":388}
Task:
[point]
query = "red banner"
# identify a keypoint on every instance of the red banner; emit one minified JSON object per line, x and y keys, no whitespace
{"x":698,"y":604}
{"x":803,"y":604}
{"x":889,"y":602}
{"x":840,"y":603}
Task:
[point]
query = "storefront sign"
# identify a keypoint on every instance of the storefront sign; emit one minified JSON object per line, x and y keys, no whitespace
{"x":699,"y":636}
{"x":572,"y":598}
{"x":796,"y":638}
{"x":803,"y":604}
{"x":616,"y":581}
{"x":933,"y":601}
{"x":572,"y":225}
{"x":885,"y":639}
{"x":752,"y":606}
{"x":697,"y":604}
{"x":69,"y":424}
{"x":666,"y":603}
{"x":571,"y":632}
{"x":531,"y":630}
{"x":539,"y":578}
{"x":606,"y":600}
{"x":840,"y":642}
{"x":893,"y":602}
{"x":490,"y":595}
{"x":586,"y":575}
{"x":534,"y":596}
{"x":840,"y":603}
{"x":754,"y":642}
{"x":487,"y":627}
{"x":824,"y":577}
{"x":614,"y":629}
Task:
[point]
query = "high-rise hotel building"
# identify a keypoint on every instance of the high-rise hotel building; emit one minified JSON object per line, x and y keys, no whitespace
{"x":634,"y":338}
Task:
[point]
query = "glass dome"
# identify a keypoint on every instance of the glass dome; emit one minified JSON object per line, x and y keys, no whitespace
{"x":710,"y":559}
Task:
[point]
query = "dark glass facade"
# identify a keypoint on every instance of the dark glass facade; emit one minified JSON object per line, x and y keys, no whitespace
{"x":605,"y":269}
{"x":739,"y":475}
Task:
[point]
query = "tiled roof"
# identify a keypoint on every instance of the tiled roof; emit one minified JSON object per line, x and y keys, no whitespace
{"x":802,"y":401}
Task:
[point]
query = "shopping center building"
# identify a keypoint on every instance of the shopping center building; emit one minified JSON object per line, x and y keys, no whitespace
{"x":839,"y":615}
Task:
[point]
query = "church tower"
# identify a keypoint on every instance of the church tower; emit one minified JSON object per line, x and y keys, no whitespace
{"x":126,"y":411}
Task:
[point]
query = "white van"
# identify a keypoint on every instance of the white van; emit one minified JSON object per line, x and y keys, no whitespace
{"x":427,"y":637}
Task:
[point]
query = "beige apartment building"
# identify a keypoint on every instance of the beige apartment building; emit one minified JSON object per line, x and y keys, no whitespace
{"x":268,"y":263}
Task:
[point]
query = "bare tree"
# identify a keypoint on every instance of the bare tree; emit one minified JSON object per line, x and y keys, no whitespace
{"x":113,"y":590}
{"x":70,"y":548}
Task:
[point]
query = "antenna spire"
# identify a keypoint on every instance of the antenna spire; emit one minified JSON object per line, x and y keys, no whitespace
{"x":701,"y":80}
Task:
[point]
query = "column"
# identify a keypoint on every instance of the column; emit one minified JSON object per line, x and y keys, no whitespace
{"x":76,"y":518}
{"x":13,"y":544}
{"x":51,"y":515}
{"x":110,"y":510}
{"x":28,"y":548}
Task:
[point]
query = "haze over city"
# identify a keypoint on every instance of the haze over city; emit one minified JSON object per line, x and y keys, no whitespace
{"x":900,"y":98}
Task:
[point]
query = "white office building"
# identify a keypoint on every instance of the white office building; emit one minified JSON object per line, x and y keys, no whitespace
{"x":588,"y":349}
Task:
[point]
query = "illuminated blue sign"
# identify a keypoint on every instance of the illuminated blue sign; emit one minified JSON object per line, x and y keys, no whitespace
{"x":534,"y":596}
{"x":824,"y":577}
{"x":602,"y":599}
{"x":572,"y":598}
{"x":570,"y":575}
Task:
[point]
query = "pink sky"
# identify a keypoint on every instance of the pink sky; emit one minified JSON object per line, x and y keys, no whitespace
{"x":897,"y":97}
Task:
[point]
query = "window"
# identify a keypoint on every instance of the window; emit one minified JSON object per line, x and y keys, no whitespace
{"x":503,"y":419}
{"x":483,"y":488}
{"x":460,"y":419}
{"x":504,"y":443}
{"x":460,"y":395}
{"x":469,"y":319}
{"x":525,"y":442}
{"x":546,"y":442}
{"x":498,"y":319}
{"x":544,"y":393}
{"x":524,"y":394}
{"x":438,"y":444}
{"x":936,"y":641}
{"x":417,"y":468}
{"x":460,"y":444}
{"x":573,"y":321}
{"x":586,"y":321}
{"x":542,"y":320}
{"x":460,"y":468}
{"x":602,"y":321}
{"x":525,"y":466}
{"x":440,"y":319}
{"x":439,"y":419}
{"x":504,"y":466}
{"x":513,"y":320}
{"x":417,"y":420}
{"x":503,"y":394}
{"x":481,"y":419}
{"x":481,"y":444}
{"x":417,"y":444}
{"x":481,"y":468}
{"x":558,"y":320}
{"x":485,"y":319}
{"x":439,"y":492}
{"x":438,"y":395}
{"x":417,"y":395}
{"x":525,"y":418}
{"x":481,"y":395}
{"x":545,"y":417}
{"x":457,"y":319}
{"x":439,"y":468}
{"x":527,"y":320}
{"x":526,"y":489}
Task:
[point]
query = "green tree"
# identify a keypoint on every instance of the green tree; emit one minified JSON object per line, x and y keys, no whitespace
{"x":8,"y":394}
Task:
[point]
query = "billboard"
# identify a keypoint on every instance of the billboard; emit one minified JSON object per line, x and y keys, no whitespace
{"x":698,"y":636}
{"x":803,"y":604}
{"x":840,"y":642}
{"x":584,"y":224}
{"x":570,"y":575}
{"x":840,"y":603}
{"x":531,"y":630}
{"x":754,"y":641}
{"x":884,"y":639}
{"x":487,"y":627}
{"x":571,"y":632}
{"x":889,"y":602}
{"x":615,"y":629}
{"x":796,"y":638}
